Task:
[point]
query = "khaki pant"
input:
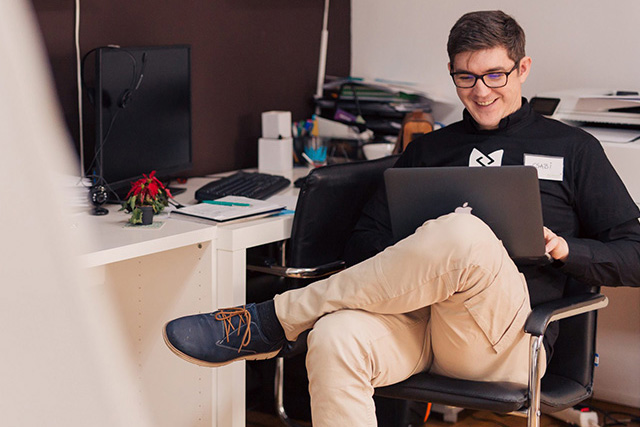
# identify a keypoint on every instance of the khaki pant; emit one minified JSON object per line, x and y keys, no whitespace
{"x":447,"y":299}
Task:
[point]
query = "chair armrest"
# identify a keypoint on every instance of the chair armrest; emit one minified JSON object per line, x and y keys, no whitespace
{"x":300,"y":272}
{"x":542,"y":315}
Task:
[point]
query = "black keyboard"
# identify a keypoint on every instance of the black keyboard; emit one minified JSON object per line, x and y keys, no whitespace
{"x":255,"y":185}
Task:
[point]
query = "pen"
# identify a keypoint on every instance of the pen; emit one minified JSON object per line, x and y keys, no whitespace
{"x":221,"y":203}
{"x":308,"y":159}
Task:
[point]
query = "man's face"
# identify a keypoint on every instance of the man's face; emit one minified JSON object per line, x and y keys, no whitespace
{"x":488,"y":106}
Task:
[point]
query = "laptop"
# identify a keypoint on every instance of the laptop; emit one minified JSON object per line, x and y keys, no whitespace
{"x":506,"y":198}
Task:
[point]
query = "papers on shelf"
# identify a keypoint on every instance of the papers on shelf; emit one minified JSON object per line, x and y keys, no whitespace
{"x":401,"y":90}
{"x":604,"y":134}
{"x":222,"y":213}
{"x":609,"y":103}
{"x":333,"y":129}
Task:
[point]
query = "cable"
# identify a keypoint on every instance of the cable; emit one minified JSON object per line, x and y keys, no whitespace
{"x":102,"y":145}
{"x":427,"y":413}
{"x":79,"y":87}
{"x":324,"y":38}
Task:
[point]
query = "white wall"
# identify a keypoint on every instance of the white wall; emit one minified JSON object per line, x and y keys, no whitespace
{"x":574,"y":44}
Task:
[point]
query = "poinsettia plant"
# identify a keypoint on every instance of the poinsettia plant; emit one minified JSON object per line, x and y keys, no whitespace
{"x":147,"y":191}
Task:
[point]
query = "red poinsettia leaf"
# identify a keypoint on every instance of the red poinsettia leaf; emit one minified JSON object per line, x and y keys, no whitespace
{"x":166,"y":190}
{"x":153,"y":189}
{"x":157,"y":181}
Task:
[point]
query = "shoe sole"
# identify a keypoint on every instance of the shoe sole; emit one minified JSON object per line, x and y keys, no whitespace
{"x":196,"y":361}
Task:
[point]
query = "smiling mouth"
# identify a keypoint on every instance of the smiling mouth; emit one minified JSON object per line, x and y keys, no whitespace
{"x":484,"y":104}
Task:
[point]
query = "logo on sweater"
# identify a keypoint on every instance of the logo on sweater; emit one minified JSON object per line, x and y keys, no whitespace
{"x":477,"y":158}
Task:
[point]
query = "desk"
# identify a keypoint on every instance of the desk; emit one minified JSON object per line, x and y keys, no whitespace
{"x":154,"y":275}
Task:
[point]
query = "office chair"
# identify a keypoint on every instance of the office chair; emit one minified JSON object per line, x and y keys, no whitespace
{"x":328,"y":207}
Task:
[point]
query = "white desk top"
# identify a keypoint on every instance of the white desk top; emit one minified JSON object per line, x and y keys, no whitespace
{"x":112,"y":240}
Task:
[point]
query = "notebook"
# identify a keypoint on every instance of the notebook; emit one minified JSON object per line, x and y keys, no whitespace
{"x":506,"y":198}
{"x":230,"y":208}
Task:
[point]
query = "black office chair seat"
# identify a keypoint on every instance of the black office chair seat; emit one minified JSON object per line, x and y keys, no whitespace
{"x":503,"y":397}
{"x":425,"y":387}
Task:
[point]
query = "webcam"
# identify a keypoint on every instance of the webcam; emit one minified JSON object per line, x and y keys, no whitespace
{"x":98,"y":197}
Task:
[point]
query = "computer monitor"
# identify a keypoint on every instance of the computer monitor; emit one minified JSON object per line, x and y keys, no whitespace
{"x":143,"y":114}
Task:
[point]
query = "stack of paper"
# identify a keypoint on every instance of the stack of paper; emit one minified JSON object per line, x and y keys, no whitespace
{"x":230,"y":208}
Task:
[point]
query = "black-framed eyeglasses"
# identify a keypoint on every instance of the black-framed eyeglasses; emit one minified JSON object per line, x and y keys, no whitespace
{"x":493,"y":80}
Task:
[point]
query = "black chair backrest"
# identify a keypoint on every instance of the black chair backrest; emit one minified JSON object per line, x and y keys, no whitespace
{"x":329,"y":205}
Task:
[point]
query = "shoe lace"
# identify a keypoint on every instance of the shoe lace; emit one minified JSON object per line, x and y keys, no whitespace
{"x":225,"y":315}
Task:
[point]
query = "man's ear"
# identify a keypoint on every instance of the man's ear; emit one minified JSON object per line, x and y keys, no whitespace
{"x":525,"y":67}
{"x":449,"y":67}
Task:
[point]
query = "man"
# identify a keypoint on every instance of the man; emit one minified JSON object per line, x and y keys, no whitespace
{"x":448,"y":298}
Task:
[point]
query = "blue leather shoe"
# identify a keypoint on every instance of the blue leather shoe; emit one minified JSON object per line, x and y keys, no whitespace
{"x":221,"y":337}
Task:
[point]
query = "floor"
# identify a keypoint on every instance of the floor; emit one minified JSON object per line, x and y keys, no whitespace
{"x":615,"y":415}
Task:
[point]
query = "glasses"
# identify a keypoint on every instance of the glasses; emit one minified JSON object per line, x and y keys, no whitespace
{"x":493,"y":80}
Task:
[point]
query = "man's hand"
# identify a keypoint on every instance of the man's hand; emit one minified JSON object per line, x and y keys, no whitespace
{"x":555,"y":245}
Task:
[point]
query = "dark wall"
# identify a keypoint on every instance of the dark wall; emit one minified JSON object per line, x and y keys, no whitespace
{"x":248,"y":56}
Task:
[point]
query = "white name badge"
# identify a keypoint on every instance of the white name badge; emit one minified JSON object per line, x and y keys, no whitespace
{"x":549,"y":167}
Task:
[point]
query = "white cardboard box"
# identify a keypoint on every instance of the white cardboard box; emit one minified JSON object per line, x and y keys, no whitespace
{"x":275,"y":155}
{"x":276,"y":124}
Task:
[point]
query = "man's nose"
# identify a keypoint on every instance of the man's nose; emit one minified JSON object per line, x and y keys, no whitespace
{"x":480,"y":88}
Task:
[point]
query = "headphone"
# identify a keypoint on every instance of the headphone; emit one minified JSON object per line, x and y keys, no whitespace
{"x":126,"y":96}
{"x":136,"y":78}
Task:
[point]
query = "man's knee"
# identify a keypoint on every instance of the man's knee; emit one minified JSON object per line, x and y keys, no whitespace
{"x":334,"y":336}
{"x":339,"y":350}
{"x":462,"y":227}
{"x":457,"y":233}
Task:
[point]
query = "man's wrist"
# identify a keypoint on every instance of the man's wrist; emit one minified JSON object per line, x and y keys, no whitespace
{"x":577,"y":260}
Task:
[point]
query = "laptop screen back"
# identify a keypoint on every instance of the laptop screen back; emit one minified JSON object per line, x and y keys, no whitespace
{"x":506,"y":198}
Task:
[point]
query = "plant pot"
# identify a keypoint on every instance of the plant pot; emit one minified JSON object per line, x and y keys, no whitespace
{"x":147,"y":215}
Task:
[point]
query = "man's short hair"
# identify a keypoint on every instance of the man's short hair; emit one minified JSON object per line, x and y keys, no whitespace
{"x":486,"y":30}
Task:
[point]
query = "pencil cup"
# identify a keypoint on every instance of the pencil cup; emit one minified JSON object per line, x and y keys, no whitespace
{"x":315,"y":150}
